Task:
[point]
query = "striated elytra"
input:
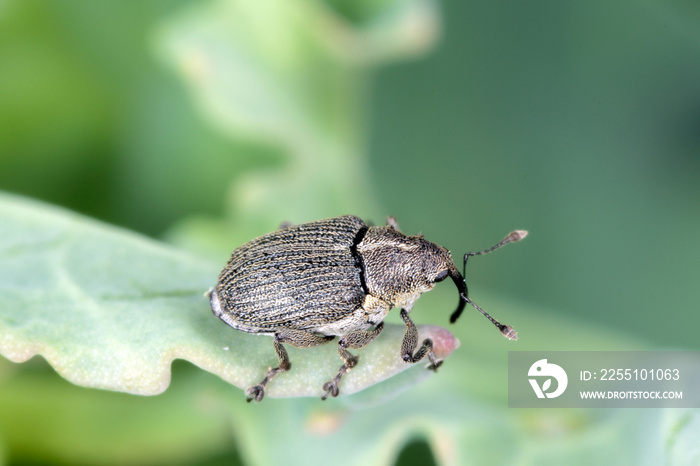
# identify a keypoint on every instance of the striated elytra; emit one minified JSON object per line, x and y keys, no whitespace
{"x":306,"y":284}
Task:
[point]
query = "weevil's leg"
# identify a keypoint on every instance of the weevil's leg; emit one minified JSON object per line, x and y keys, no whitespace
{"x":410,"y":341}
{"x":257,"y":392}
{"x":355,"y":340}
{"x":297,"y":338}
{"x":391,"y":222}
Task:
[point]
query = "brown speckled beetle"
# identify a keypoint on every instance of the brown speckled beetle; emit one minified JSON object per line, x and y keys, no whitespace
{"x":307,"y":284}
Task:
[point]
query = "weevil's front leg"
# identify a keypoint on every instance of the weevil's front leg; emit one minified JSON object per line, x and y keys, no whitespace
{"x":410,"y":341}
{"x":391,"y":222}
{"x":297,"y":338}
{"x":354,"y":340}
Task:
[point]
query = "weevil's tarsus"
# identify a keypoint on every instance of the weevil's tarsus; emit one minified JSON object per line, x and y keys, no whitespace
{"x":355,"y":340}
{"x":332,"y":387}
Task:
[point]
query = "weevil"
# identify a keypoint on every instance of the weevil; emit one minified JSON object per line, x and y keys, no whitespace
{"x":307,"y":284}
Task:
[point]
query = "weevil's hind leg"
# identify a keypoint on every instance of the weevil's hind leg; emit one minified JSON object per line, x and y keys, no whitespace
{"x":354,"y":340}
{"x":296,"y":338}
{"x":410,"y":341}
{"x":257,"y":392}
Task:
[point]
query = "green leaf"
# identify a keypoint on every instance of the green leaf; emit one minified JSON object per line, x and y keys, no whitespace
{"x":110,"y":309}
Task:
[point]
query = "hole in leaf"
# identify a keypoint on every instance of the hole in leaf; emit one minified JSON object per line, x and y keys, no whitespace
{"x":416,"y":452}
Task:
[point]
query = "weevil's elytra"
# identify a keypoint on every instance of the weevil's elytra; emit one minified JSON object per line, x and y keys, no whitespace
{"x":307,"y":284}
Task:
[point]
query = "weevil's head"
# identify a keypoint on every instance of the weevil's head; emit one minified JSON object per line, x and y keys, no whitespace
{"x":399,"y":268}
{"x":437,"y":258}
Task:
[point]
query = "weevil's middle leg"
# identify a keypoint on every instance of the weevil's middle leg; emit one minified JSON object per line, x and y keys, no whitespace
{"x":410,"y":341}
{"x":297,"y":338}
{"x":354,"y":340}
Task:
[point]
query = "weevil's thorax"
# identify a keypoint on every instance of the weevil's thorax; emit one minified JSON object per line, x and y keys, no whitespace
{"x":399,"y":268}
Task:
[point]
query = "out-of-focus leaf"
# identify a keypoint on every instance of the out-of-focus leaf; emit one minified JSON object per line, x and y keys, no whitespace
{"x":681,"y":431}
{"x":287,"y":69}
{"x":88,"y":427}
{"x":291,"y":74}
{"x":459,"y":431}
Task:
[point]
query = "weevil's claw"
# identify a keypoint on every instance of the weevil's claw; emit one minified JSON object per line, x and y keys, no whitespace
{"x":256,"y":392}
{"x":434,"y":362}
{"x":331,"y":389}
{"x":434,"y":366}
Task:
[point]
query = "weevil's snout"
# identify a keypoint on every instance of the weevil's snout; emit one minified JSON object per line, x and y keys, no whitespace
{"x":458,"y":279}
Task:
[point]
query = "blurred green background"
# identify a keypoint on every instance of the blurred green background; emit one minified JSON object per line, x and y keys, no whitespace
{"x":207,"y":123}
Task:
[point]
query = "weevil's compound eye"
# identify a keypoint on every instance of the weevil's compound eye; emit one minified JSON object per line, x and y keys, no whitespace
{"x":441,"y":276}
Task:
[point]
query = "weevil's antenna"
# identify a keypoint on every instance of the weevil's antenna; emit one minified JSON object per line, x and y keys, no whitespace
{"x":461,"y":283}
{"x":506,"y":330}
{"x":514,"y":236}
